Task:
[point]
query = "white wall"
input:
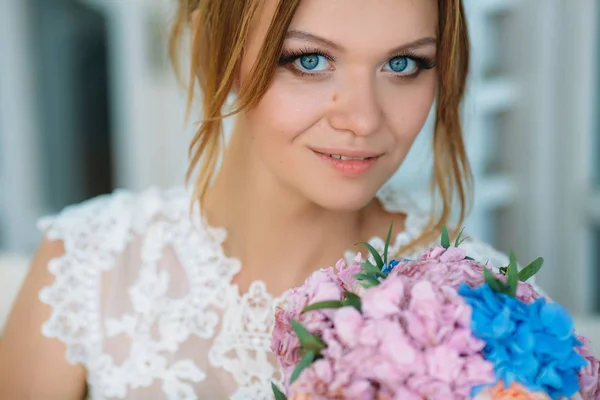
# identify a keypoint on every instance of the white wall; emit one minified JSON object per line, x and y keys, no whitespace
{"x":553,"y":52}
{"x":19,"y":146}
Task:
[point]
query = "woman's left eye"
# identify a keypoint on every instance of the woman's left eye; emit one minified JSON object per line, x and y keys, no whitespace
{"x":402,"y":65}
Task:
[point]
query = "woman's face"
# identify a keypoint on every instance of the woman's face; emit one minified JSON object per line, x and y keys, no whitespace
{"x":355,"y":83}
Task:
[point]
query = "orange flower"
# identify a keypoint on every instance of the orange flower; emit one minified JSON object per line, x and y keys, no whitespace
{"x":514,"y":392}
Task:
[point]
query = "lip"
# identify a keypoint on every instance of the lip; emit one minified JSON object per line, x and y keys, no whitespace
{"x":347,"y":152}
{"x":349,"y":168}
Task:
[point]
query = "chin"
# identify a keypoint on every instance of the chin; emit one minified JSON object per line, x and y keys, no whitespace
{"x":349,"y":200}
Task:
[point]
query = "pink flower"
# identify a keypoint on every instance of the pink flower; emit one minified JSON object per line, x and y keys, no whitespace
{"x":402,"y":352}
{"x":359,"y":360}
{"x":526,"y":293}
{"x":453,"y":254}
{"x":444,"y":363}
{"x":430,"y":388}
{"x":386,"y":374}
{"x":335,"y":350}
{"x":422,"y":291}
{"x":477,"y":371}
{"x":406,"y":394}
{"x":359,"y":390}
{"x":322,"y":286}
{"x":285,"y":343}
{"x":323,"y":371}
{"x":346,"y":274}
{"x":369,"y":334}
{"x":424,"y":319}
{"x":340,"y":265}
{"x":348,"y":322}
{"x":589,"y":377}
{"x":296,"y":301}
{"x":383,"y":300}
{"x":462,"y":340}
{"x":416,"y":327}
{"x":341,"y":380}
{"x":433,"y":253}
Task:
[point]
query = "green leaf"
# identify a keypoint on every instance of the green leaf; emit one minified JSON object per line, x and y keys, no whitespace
{"x":370,"y":279}
{"x":445,"y":237}
{"x":375,"y":254}
{"x":371,"y":269}
{"x":308,"y":358}
{"x":353,"y":301}
{"x":458,"y":242}
{"x":387,"y":245}
{"x":277,"y":393}
{"x":495,"y":284}
{"x":324,"y":304}
{"x":512,"y":275}
{"x":530,"y":270}
{"x":307,"y":340}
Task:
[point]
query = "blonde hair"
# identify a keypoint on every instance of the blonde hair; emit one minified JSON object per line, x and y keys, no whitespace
{"x":218,"y":37}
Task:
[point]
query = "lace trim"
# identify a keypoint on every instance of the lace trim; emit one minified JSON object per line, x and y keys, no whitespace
{"x":247,"y":326}
{"x":91,"y":233}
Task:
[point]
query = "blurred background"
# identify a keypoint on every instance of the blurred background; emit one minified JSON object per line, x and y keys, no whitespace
{"x":89,"y":103}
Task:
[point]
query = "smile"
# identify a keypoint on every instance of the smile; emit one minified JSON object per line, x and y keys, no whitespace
{"x":344,"y":158}
{"x":351,"y":164}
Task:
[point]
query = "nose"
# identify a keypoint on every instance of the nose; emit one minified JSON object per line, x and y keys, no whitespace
{"x":355,"y":107}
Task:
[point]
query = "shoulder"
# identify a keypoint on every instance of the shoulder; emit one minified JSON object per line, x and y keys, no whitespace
{"x":87,"y":239}
{"x":24,"y":352}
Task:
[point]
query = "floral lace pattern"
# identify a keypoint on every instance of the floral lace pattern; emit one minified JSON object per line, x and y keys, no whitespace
{"x":143,"y":299}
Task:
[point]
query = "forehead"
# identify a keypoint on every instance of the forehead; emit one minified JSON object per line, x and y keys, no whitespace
{"x":381,"y":19}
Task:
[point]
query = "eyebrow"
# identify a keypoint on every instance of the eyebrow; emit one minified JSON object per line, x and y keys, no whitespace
{"x":423,"y":42}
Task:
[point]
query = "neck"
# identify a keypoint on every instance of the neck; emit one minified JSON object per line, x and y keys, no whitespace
{"x":278,"y":235}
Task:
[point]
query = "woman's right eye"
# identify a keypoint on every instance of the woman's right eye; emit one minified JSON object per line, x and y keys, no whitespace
{"x":312,"y":63}
{"x":306,"y":62}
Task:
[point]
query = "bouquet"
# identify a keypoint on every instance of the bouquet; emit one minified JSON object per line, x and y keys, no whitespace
{"x":439,"y":327}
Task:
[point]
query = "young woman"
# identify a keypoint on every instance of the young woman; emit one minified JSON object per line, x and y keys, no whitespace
{"x":132,"y":296}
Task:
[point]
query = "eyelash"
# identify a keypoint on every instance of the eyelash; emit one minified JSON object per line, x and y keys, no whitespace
{"x":287,"y":59}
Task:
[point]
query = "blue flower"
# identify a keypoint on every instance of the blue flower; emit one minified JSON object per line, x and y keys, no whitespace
{"x":391,"y":265}
{"x":532,"y":344}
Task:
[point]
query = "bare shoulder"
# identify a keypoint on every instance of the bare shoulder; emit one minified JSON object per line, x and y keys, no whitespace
{"x":45,"y":346}
{"x":33,"y":366}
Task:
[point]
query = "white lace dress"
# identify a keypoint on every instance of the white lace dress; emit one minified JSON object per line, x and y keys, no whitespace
{"x":143,"y":299}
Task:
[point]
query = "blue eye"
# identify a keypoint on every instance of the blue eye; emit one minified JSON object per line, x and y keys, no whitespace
{"x":403,"y":65}
{"x":312,"y":62}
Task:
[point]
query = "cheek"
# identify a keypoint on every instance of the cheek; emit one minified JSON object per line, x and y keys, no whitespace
{"x":290,"y":109}
{"x":406,"y":109}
